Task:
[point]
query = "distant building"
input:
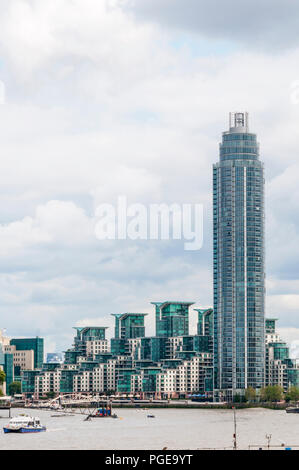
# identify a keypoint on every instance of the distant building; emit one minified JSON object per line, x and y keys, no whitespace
{"x":19,"y":355}
{"x":205,"y":321}
{"x":172,"y":318}
{"x":280,"y":369}
{"x":34,"y":344}
{"x":6,"y":362}
{"x":159,"y":366}
{"x":127,"y":326}
{"x":22,"y":359}
{"x":4,"y":340}
{"x":54,"y":357}
{"x":88,"y":342}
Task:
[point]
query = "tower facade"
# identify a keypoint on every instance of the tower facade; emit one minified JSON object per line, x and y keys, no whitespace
{"x":239,"y":273}
{"x":172,"y":318}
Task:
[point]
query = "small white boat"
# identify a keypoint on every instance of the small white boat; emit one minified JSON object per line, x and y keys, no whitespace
{"x":23,"y":424}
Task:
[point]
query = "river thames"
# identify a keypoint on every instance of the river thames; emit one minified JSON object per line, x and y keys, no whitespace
{"x":182,"y":429}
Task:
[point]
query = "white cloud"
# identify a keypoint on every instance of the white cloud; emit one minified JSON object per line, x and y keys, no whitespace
{"x":54,"y":222}
{"x":63,"y":36}
{"x":99,"y":104}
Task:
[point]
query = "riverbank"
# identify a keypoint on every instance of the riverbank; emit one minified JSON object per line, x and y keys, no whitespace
{"x":204,"y":406}
{"x":177,"y":405}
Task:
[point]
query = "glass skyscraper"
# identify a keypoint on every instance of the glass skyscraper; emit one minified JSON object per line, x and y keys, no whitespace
{"x":239,"y":275}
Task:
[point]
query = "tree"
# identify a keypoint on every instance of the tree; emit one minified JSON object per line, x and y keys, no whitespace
{"x":237,"y":398}
{"x":292,"y":394}
{"x":2,"y":377}
{"x":250,"y":394}
{"x":51,"y":395}
{"x":272,"y":393}
{"x":14,"y":388}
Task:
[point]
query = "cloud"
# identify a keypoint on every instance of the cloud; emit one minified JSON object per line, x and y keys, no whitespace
{"x":263,"y":24}
{"x":54,"y":271}
{"x":65,"y":36}
{"x":100,"y":103}
{"x":56,"y":221}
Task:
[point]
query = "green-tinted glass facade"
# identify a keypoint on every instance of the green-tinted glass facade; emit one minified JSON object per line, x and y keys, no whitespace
{"x":270,"y":325}
{"x":35,"y":344}
{"x":209,"y":380}
{"x":118,"y":346}
{"x":103,"y":358}
{"x":146,"y":348}
{"x":281,"y":351}
{"x":205,"y":321}
{"x":129,"y":325}
{"x":132,"y":326}
{"x":28,"y":381}
{"x":292,"y":377}
{"x":84,"y":334}
{"x":66,"y":380}
{"x":203,"y":344}
{"x":172,"y":318}
{"x":8,"y":369}
{"x":70,"y":356}
{"x":117,"y":317}
{"x":157,"y":348}
{"x":149,"y":379}
{"x":124,"y":380}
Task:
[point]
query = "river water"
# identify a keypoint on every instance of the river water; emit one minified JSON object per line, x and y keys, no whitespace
{"x":171,"y":428}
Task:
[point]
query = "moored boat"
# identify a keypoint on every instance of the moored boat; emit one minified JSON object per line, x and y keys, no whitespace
{"x":292,"y":409}
{"x":24,"y":424}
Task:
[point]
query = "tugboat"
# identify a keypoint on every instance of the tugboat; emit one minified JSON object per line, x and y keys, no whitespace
{"x":24,"y":423}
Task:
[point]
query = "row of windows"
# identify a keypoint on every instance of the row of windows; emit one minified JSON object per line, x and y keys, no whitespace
{"x":242,"y":136}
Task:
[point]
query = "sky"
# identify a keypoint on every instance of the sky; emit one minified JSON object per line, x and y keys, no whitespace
{"x":120,"y":97}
